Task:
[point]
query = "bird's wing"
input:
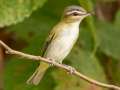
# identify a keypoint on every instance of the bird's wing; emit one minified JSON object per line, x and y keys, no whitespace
{"x":51,"y":36}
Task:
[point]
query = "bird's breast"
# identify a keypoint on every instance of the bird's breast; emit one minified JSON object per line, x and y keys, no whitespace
{"x":63,"y":43}
{"x":68,"y":36}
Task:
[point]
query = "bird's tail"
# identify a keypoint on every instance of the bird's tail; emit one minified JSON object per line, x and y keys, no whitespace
{"x":38,"y":74}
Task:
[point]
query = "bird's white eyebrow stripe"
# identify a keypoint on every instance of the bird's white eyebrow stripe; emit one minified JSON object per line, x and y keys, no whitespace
{"x":76,"y":10}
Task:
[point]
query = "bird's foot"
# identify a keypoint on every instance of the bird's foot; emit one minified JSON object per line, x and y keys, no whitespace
{"x":52,"y":62}
{"x":71,"y":70}
{"x":60,"y":62}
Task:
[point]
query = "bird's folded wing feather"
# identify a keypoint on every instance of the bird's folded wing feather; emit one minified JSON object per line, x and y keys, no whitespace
{"x":51,"y":36}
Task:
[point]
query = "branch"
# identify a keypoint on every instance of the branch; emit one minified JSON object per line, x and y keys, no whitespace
{"x":65,"y":67}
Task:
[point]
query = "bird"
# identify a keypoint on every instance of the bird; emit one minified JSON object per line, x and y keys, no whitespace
{"x":60,"y":40}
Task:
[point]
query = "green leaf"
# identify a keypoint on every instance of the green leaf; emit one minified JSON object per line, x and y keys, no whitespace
{"x":85,"y":40}
{"x":109,"y":39}
{"x":14,"y":11}
{"x":90,"y":24}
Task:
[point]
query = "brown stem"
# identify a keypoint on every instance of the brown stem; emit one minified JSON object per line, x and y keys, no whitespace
{"x":65,"y":67}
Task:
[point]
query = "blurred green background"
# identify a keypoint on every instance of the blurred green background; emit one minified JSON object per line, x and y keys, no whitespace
{"x":24,"y":26}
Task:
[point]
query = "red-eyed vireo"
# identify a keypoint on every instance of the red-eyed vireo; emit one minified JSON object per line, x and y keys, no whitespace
{"x":60,"y":40}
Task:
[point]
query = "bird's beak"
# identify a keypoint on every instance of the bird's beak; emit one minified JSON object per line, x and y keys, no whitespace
{"x":90,"y":13}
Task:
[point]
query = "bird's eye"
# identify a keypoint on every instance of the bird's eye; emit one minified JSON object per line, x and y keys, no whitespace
{"x":75,"y":14}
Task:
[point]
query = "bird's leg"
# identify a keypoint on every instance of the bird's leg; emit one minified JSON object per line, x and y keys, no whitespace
{"x":60,"y":62}
{"x":71,"y":70}
{"x":51,"y":64}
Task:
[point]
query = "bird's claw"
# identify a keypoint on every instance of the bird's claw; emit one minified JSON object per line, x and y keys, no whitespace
{"x":71,"y":70}
{"x":51,"y":64}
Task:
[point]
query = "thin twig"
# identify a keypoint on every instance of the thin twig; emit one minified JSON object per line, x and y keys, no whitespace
{"x":65,"y":67}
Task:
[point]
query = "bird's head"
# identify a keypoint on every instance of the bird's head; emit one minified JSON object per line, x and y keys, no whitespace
{"x":74,"y":13}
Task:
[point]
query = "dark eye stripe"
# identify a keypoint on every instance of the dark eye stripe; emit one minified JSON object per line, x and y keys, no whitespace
{"x":70,"y":12}
{"x":74,"y":13}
